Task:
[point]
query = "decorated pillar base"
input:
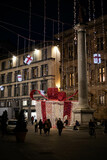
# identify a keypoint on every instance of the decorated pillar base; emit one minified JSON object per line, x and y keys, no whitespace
{"x":82,"y":113}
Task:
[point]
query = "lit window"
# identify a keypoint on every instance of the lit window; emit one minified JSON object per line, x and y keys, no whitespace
{"x":71,"y":79}
{"x":102,"y":100}
{"x":33,"y":102}
{"x":25,"y":103}
{"x":101,"y":74}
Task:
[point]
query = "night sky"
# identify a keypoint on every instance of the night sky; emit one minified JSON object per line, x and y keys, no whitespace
{"x":14,"y":17}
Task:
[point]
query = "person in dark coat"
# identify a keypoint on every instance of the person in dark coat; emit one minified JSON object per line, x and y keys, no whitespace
{"x":4,"y":122}
{"x":36,"y":126}
{"x":66,"y":122}
{"x":40,"y":126}
{"x":32,"y":120}
{"x":76,"y":125}
{"x":47,"y":126}
{"x":60,"y":126}
{"x":92,"y":128}
{"x":105,"y":126}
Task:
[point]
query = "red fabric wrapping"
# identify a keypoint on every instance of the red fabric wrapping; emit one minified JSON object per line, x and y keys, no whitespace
{"x":61,"y":96}
{"x":43,"y":108}
{"x":52,"y":93}
{"x":32,"y":92}
{"x":67,"y":110}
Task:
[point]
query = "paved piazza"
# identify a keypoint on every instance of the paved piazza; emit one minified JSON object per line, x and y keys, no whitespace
{"x":72,"y":145}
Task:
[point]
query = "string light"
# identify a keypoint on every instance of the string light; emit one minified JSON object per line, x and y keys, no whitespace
{"x":89,"y":9}
{"x":54,"y":111}
{"x":75,"y":16}
{"x":94,"y":29}
{"x":102,"y":21}
{"x":58,"y":19}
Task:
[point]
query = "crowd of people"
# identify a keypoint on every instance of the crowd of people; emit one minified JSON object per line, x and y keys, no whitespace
{"x":46,"y":126}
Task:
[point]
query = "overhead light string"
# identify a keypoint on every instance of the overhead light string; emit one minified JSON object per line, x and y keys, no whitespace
{"x":94,"y":44}
{"x":44,"y":22}
{"x":103,"y":30}
{"x":62,"y":62}
{"x":17,"y":58}
{"x":89,"y":10}
{"x":29,"y":25}
{"x":58,"y":19}
{"x":75,"y":17}
{"x":74,"y":42}
{"x":103,"y":56}
{"x":53,"y":32}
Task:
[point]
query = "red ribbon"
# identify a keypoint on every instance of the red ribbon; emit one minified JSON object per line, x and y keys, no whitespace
{"x":32,"y":92}
{"x":43,"y":109}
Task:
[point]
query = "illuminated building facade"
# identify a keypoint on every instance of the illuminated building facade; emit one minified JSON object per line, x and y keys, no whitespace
{"x":19,"y":79}
{"x":96,"y":41}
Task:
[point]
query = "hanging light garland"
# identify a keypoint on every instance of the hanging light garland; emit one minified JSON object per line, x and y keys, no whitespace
{"x":58,"y":18}
{"x":94,"y":29}
{"x":89,"y":10}
{"x":44,"y":21}
{"x":75,"y":16}
{"x":103,"y":30}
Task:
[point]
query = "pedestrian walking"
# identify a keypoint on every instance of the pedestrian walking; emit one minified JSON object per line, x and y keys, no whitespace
{"x":105,"y":126}
{"x":60,"y":126}
{"x":45,"y":126}
{"x":32,"y":120}
{"x":36,"y":125}
{"x":92,"y":128}
{"x":49,"y":126}
{"x":40,"y":126}
{"x":4,"y":119}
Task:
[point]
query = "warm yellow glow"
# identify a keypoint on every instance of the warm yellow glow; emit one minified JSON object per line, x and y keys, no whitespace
{"x":14,"y":58}
{"x":56,"y":49}
{"x":58,"y":85}
{"x":36,"y":51}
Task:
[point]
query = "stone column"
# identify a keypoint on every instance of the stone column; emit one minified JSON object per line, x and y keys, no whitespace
{"x":82,"y":112}
{"x":82,"y":67}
